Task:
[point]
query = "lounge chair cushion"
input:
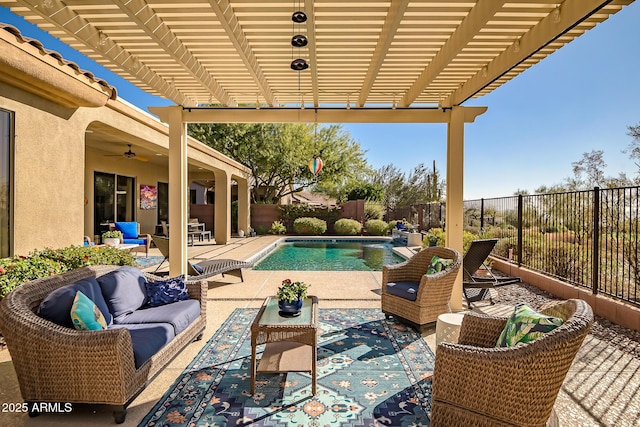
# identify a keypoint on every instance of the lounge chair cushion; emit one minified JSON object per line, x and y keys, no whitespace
{"x":124,"y":290}
{"x":196,"y":268}
{"x":85,"y":315}
{"x":129,"y":229}
{"x":438,"y":264}
{"x":526,"y":325}
{"x":406,"y":290}
{"x":56,"y":307}
{"x":179,"y":314}
{"x":147,"y":339}
{"x":163,"y":292}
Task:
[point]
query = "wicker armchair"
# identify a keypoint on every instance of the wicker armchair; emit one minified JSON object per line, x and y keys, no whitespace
{"x":434,"y":292}
{"x":477,"y":384}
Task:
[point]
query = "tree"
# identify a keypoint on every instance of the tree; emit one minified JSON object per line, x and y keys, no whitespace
{"x":634,"y":147}
{"x":421,"y":186}
{"x":589,"y":171}
{"x":367,"y":191}
{"x":277,"y":154}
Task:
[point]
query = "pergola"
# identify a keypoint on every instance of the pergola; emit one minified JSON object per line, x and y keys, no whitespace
{"x":370,"y":61}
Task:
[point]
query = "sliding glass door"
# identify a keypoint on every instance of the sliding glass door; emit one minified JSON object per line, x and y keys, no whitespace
{"x":114,"y":200}
{"x":6,"y":180}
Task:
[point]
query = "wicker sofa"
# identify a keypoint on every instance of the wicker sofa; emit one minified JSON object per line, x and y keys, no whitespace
{"x":476,"y":383}
{"x":54,"y":363}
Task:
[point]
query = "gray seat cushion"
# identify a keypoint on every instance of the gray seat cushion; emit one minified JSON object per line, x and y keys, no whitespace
{"x":406,"y":290}
{"x":56,"y":307}
{"x":147,"y":339}
{"x":180,"y":314}
{"x":124,"y":290}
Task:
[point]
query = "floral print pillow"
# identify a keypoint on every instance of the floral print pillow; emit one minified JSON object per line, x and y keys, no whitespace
{"x":526,"y":325}
{"x":163,"y":292}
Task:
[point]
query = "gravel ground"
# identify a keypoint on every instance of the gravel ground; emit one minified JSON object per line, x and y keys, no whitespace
{"x":624,"y":339}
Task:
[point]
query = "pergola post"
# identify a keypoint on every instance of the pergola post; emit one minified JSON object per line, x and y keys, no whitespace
{"x":243,"y":205}
{"x":178,"y":194}
{"x":222,"y":215}
{"x":454,"y":198}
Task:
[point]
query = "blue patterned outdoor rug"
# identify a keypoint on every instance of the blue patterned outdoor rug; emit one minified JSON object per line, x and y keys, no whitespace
{"x":371,"y":372}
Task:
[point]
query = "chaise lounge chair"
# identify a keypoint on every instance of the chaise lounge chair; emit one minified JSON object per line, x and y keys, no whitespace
{"x":204,"y":269}
{"x":477,"y":288}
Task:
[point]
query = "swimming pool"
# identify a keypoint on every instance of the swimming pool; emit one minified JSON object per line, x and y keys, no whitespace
{"x":330,"y":255}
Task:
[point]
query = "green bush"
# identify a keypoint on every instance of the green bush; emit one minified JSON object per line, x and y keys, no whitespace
{"x":277,"y":228}
{"x":309,"y":226}
{"x":376,"y":227}
{"x":347,"y":227}
{"x":373,"y":210}
{"x":17,"y":270}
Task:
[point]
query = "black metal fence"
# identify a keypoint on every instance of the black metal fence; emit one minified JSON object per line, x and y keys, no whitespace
{"x":587,"y":238}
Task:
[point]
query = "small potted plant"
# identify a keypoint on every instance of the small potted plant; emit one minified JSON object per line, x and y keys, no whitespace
{"x":290,"y":297}
{"x":431,"y":238}
{"x":112,"y":238}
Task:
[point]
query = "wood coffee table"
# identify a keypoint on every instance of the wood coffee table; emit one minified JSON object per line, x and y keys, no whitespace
{"x":291,"y":342}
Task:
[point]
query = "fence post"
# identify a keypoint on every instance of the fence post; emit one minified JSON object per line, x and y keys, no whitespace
{"x":519,"y":248}
{"x":481,"y":214}
{"x":595,"y":267}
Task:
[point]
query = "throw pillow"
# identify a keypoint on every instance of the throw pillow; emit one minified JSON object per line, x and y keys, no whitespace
{"x":163,"y":292}
{"x":57,"y":305}
{"x":438,"y":264}
{"x":85,"y":315}
{"x":124,"y":290}
{"x":526,"y":325}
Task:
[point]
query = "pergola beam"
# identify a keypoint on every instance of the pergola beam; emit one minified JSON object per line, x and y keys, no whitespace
{"x":229,"y":21}
{"x":483,"y":11}
{"x":546,"y":31}
{"x":394,"y":17}
{"x":147,"y":19}
{"x":319,"y":115}
{"x":309,"y":10}
{"x":82,"y":30}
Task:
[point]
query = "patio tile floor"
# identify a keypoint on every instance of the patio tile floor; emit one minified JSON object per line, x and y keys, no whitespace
{"x":600,"y":388}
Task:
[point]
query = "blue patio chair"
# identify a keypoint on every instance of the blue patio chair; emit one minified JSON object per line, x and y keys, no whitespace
{"x":131,"y":235}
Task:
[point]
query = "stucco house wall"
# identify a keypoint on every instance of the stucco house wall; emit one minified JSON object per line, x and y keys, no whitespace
{"x":56,"y":106}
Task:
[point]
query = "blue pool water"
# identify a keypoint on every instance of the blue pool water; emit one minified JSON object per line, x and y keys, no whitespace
{"x":328,"y":255}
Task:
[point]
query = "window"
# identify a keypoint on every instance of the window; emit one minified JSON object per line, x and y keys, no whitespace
{"x":6,"y":181}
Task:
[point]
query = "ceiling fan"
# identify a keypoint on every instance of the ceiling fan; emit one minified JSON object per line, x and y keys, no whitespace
{"x":129,"y":155}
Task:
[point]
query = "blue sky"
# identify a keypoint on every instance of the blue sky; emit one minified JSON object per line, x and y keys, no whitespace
{"x":581,"y":98}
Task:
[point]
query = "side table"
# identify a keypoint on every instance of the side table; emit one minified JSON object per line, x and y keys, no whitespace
{"x":291,"y":342}
{"x":448,"y":327}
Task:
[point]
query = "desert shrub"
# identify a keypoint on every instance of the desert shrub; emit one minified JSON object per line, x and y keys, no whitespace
{"x":373,"y":210}
{"x":441,"y":235}
{"x":277,"y":228}
{"x":17,"y":270}
{"x":262,"y":229}
{"x":347,"y":227}
{"x":376,"y":227}
{"x":309,"y":226}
